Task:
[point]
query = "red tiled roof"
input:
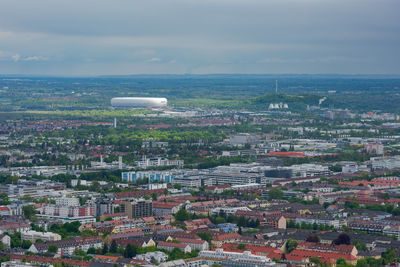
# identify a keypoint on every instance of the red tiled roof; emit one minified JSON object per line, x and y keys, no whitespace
{"x":287,"y":154}
{"x":197,"y":222}
{"x":190,"y":236}
{"x":49,"y":260}
{"x":171,"y":244}
{"x":165,"y":205}
{"x":125,"y":242}
{"x":138,"y":193}
{"x":190,"y":241}
{"x":323,"y":256}
{"x":229,"y":236}
{"x":106,"y":258}
{"x":326,"y":247}
{"x":270,"y":252}
{"x":115,"y":214}
{"x":148,"y":219}
{"x":132,"y":230}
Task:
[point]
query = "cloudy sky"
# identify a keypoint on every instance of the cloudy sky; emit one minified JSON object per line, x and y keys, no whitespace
{"x":94,"y":37}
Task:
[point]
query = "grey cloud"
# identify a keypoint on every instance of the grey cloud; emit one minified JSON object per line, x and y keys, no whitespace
{"x":198,"y":36}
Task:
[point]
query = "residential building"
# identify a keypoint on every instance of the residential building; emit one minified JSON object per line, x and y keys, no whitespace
{"x":194,"y":243}
{"x":228,"y":210}
{"x":197,"y":224}
{"x":327,"y":253}
{"x":262,"y":250}
{"x":156,"y":256}
{"x":392,"y":230}
{"x":6,"y":240}
{"x":14,"y":226}
{"x":64,"y":219}
{"x":137,"y":208}
{"x":67,"y":247}
{"x":165,"y":208}
{"x":171,"y":246}
{"x":22,"y":264}
{"x":374,"y":148}
{"x":319,"y":220}
{"x":220,"y":239}
{"x":67,"y":201}
{"x":67,"y":211}
{"x":104,"y":205}
{"x":5,"y":211}
{"x":175,"y":263}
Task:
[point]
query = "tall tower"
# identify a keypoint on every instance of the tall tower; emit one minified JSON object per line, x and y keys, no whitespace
{"x":120,"y":162}
{"x":115,"y":123}
{"x":276,"y":86}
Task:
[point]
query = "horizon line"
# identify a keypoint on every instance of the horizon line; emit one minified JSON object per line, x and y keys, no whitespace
{"x":197,"y":74}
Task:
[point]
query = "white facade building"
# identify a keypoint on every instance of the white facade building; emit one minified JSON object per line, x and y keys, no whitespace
{"x":157,"y":256}
{"x":245,"y":256}
{"x":67,"y":201}
{"x":34,"y":235}
{"x":385,"y":163}
{"x":158,"y":162}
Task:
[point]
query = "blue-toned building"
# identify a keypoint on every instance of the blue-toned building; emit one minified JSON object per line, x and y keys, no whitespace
{"x":228,"y":227}
{"x":154,"y":177}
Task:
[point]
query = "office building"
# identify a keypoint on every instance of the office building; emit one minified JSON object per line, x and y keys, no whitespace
{"x":34,"y":235}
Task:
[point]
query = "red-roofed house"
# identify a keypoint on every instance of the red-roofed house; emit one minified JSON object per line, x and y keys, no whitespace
{"x":197,"y":224}
{"x":165,"y":208}
{"x":105,"y":259}
{"x":138,"y":193}
{"x":125,"y":242}
{"x":194,"y":243}
{"x":327,"y":253}
{"x":38,"y":259}
{"x":13,"y":227}
{"x":4,"y":211}
{"x":184,"y":235}
{"x":225,"y":238}
{"x":149,"y":220}
{"x":346,"y":249}
{"x":272,"y":219}
{"x":287,"y":154}
{"x":326,"y":257}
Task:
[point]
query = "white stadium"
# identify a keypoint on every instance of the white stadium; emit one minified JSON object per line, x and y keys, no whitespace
{"x":139,"y":102}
